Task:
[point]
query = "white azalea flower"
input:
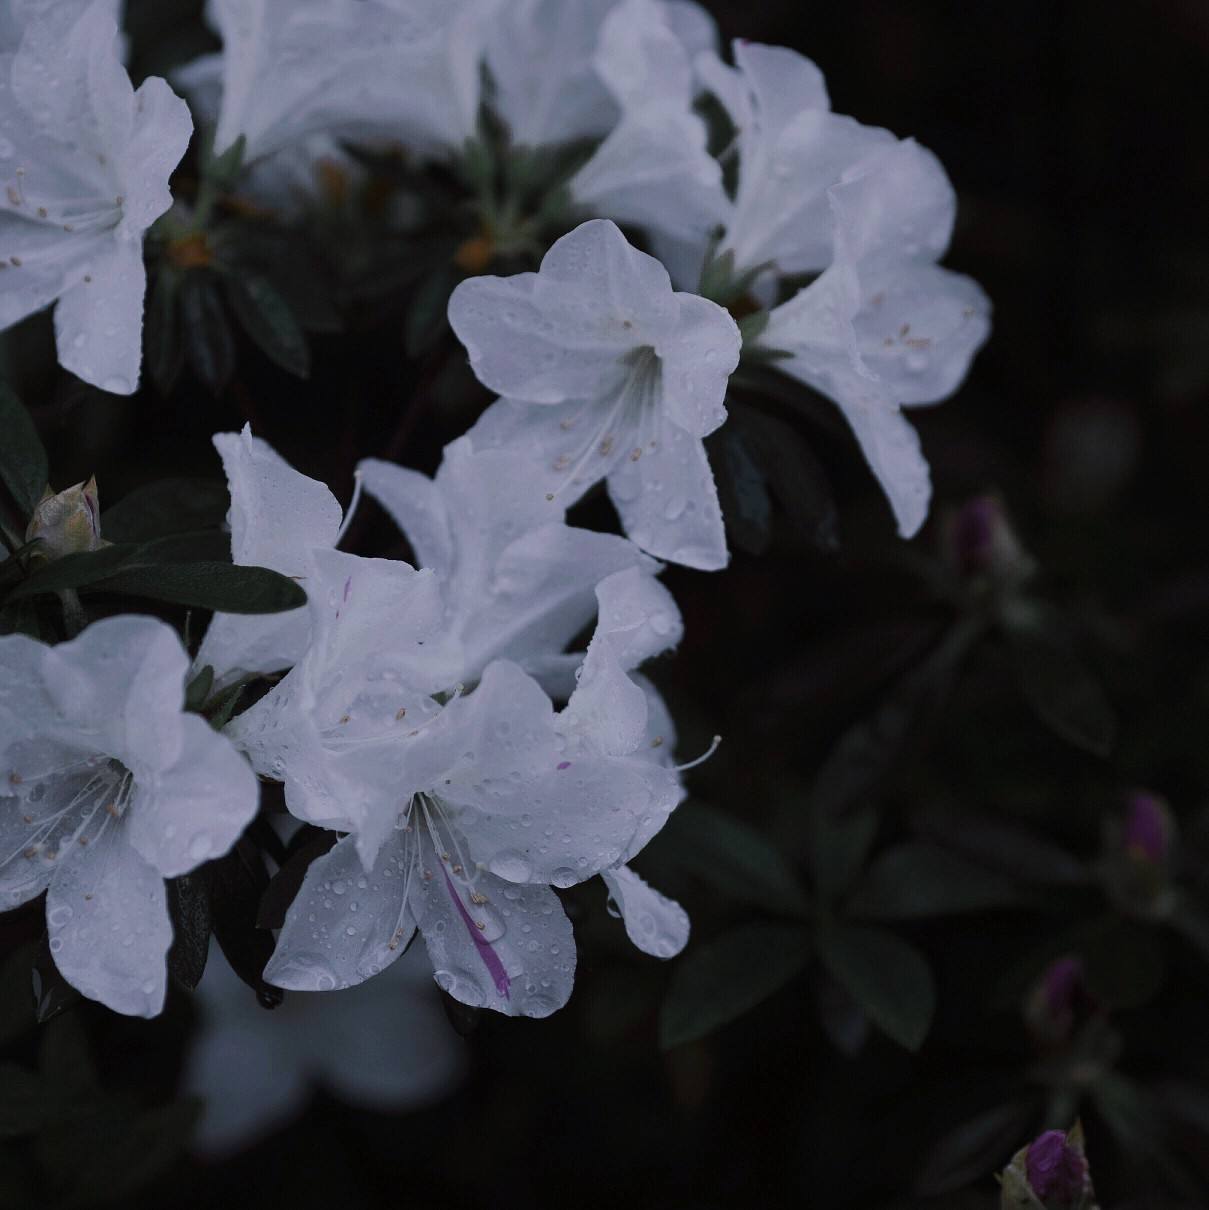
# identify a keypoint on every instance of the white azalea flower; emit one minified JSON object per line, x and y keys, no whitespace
{"x":255,"y":1071}
{"x":515,"y":581}
{"x":85,"y":161}
{"x":791,"y":148}
{"x":278,"y":517}
{"x":884,"y":327}
{"x":566,"y":99}
{"x":294,"y":68}
{"x":607,"y":372}
{"x":654,"y":169}
{"x":487,"y":804}
{"x":107,"y":788}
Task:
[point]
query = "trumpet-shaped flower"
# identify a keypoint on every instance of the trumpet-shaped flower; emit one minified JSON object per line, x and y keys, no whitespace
{"x":278,"y":517}
{"x":107,"y":788}
{"x":885,"y":327}
{"x":566,"y":99}
{"x":516,"y":583}
{"x":487,"y":805}
{"x":791,"y":148}
{"x":654,"y":169}
{"x":85,"y":161}
{"x":606,"y":372}
{"x":358,"y":68}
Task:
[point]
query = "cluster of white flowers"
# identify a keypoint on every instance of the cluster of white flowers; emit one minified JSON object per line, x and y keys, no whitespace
{"x":433,"y":715}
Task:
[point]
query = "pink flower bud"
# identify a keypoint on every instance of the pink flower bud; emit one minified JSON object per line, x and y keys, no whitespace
{"x":1056,"y":1170}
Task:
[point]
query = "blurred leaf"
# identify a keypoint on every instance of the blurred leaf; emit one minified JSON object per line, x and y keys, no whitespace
{"x":1124,"y":962}
{"x":426,"y":315}
{"x":208,"y":340}
{"x":746,"y":504}
{"x":25,"y":1101}
{"x":163,"y":348}
{"x":888,"y":978}
{"x":52,"y":993}
{"x":285,"y":883}
{"x":22,"y":458}
{"x":65,"y":1057}
{"x":1001,"y":844}
{"x":167,"y":506}
{"x":268,"y":320}
{"x":875,"y":747}
{"x":198,"y":689}
{"x":733,"y":857}
{"x":16,"y":995}
{"x":221,"y":587}
{"x":716,"y":982}
{"x":238,"y":883}
{"x":189,"y":908}
{"x":18,"y":1190}
{"x":797,"y":478}
{"x":975,"y":1147}
{"x":839,"y":845}
{"x":1061,"y":690}
{"x":920,"y":879}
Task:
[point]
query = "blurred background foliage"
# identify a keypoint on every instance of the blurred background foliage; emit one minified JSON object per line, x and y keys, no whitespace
{"x":932,"y":753}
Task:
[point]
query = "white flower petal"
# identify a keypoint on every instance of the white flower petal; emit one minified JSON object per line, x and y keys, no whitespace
{"x":668,"y":502}
{"x":697,"y":364}
{"x":346,"y":923}
{"x":122,"y":681}
{"x":416,"y":506}
{"x":277,"y":517}
{"x":99,"y":323}
{"x":108,"y":924}
{"x":656,"y":925}
{"x":515,"y":953}
{"x":196,"y":808}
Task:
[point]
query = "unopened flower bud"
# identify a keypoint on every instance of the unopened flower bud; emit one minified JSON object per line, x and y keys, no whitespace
{"x":1138,"y":860}
{"x":1057,"y":1003}
{"x":67,"y":522}
{"x":1051,"y":1173}
{"x":980,"y":543}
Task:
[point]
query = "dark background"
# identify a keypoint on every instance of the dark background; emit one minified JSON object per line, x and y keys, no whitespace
{"x":1077,"y":136}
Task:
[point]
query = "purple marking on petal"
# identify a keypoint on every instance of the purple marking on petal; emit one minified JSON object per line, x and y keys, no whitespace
{"x":564,"y":764}
{"x":491,"y":960}
{"x":347,"y":585}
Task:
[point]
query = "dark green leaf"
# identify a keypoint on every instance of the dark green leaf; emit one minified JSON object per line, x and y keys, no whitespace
{"x":224,"y":169}
{"x":285,"y":883}
{"x":25,"y":1101}
{"x":920,"y":879}
{"x":217,"y":586}
{"x":978,"y":1145}
{"x":796,"y":476}
{"x":22,"y":458}
{"x":65,"y":1057}
{"x":268,"y":320}
{"x":839,"y":845}
{"x":727,"y":977}
{"x":164,"y":350}
{"x":875,"y":747}
{"x":1124,"y":963}
{"x":746,"y":504}
{"x":198,"y":689}
{"x":238,"y":884}
{"x":888,"y":978}
{"x":74,"y":571}
{"x":1061,"y":690}
{"x":208,"y":340}
{"x":224,"y":703}
{"x":426,"y":316}
{"x":189,"y":907}
{"x":168,"y":506}
{"x":16,"y":994}
{"x":734,"y":857}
